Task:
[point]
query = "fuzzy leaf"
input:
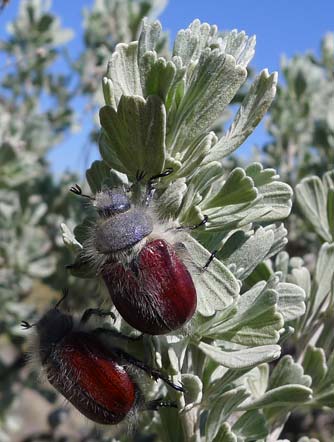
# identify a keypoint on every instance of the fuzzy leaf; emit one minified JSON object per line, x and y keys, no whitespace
{"x":135,"y":134}
{"x":124,"y":72}
{"x":249,"y":250}
{"x":225,"y":434}
{"x":250,"y":426}
{"x":216,"y":286}
{"x":249,"y":357}
{"x":311,"y":198}
{"x":222,"y":408}
{"x":250,"y":113}
{"x":170,"y":201}
{"x":287,"y":396}
{"x":323,"y":275}
{"x":255,"y":323}
{"x":315,"y":365}
{"x":288,"y":372}
{"x":69,"y":239}
{"x":290,"y":301}
{"x":237,"y":189}
{"x":96,"y":174}
{"x":212,"y":85}
{"x":193,"y":387}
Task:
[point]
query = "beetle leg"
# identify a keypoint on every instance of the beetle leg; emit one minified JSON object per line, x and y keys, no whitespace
{"x":155,"y":374}
{"x":209,"y":261}
{"x":96,"y":312}
{"x":150,"y":187}
{"x":196,"y":226}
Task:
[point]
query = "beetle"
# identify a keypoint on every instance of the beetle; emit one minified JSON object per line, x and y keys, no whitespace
{"x":98,"y":379}
{"x":141,"y":260}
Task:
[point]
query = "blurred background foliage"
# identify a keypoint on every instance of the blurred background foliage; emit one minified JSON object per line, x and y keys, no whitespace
{"x":37,"y":111}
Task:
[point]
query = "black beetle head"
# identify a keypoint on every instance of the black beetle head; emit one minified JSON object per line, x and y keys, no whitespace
{"x":51,"y":328}
{"x":109,"y":202}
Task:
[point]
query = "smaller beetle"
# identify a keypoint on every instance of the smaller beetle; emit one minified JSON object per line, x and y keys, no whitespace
{"x":97,"y":379}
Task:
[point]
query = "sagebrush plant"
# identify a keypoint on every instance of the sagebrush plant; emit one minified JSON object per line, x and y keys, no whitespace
{"x":254,"y":301}
{"x":159,"y":114}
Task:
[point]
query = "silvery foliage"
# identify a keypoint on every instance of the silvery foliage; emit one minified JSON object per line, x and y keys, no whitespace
{"x":302,"y":116}
{"x":31,"y":203}
{"x":25,"y":134}
{"x":159,"y":113}
{"x":106,"y":24}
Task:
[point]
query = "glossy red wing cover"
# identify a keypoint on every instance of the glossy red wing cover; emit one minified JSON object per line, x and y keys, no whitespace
{"x":91,"y":379}
{"x":159,"y":295}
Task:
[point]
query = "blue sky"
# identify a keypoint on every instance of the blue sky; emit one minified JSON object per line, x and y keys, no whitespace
{"x":282,"y":27}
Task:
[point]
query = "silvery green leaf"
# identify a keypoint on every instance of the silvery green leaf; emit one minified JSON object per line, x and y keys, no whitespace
{"x":225,"y":434}
{"x":194,"y":155}
{"x":325,"y":388}
{"x":282,"y":263}
{"x":256,"y":321}
{"x":288,"y":396}
{"x":198,"y":184}
{"x":280,"y":239}
{"x":149,"y":37}
{"x":136,"y":134}
{"x":328,"y":180}
{"x":239,"y":45}
{"x":216,"y":286}
{"x":275,"y":203}
{"x":193,"y":391}
{"x":237,"y":189}
{"x":157,"y":75}
{"x":288,"y":372}
{"x":250,"y":113}
{"x":108,"y":92}
{"x":250,"y":426}
{"x":312,"y":200}
{"x":257,"y":379}
{"x":323,"y":275}
{"x":170,"y":201}
{"x":69,"y":239}
{"x":291,"y":299}
{"x":176,"y":352}
{"x":96,"y":175}
{"x":212,"y":85}
{"x":124,"y":72}
{"x":302,"y":278}
{"x":248,"y":357}
{"x":221,"y":409}
{"x":116,"y":179}
{"x":189,"y":43}
{"x":251,"y":252}
{"x":272,"y":203}
{"x":315,"y":366}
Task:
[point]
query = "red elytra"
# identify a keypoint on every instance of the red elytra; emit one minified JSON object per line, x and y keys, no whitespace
{"x":91,"y":378}
{"x":156,"y":293}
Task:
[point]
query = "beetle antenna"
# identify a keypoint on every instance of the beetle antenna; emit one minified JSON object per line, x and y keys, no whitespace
{"x":76,"y":189}
{"x":150,"y":188}
{"x":25,"y":325}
